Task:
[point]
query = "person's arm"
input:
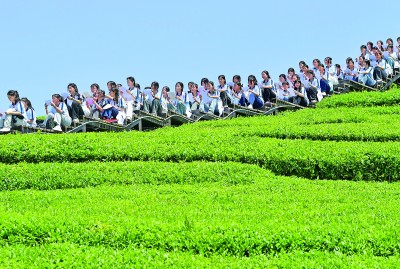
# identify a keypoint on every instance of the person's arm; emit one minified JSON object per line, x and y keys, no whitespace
{"x":74,"y":99}
{"x":58,"y":110}
{"x":298,"y":93}
{"x":98,"y":107}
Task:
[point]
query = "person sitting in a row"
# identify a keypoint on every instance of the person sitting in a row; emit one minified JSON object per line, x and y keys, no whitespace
{"x":76,"y":103}
{"x":115,"y":107}
{"x":300,"y":97}
{"x":57,"y":116}
{"x":15,"y":114}
{"x":30,"y":119}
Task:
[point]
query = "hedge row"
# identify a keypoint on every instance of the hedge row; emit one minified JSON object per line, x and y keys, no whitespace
{"x":270,"y":216}
{"x":304,"y":158}
{"x":49,"y":176}
{"x":76,"y":256}
{"x":388,"y":98}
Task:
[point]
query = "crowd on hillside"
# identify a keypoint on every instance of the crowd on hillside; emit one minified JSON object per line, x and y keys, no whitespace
{"x":309,"y":85}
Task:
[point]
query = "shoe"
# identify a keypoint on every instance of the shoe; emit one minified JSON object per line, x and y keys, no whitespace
{"x":250,"y":106}
{"x":3,"y":130}
{"x":75,"y":120}
{"x":57,"y":128}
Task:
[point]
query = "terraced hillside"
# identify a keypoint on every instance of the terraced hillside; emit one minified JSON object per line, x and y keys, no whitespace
{"x":314,"y":188}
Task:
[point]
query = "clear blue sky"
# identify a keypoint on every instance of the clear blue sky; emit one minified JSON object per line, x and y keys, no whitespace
{"x":47,"y":44}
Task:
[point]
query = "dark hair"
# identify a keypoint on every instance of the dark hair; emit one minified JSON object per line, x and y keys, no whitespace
{"x":204,"y":80}
{"x":368,"y":62}
{"x":190,"y":83}
{"x":252,"y":78}
{"x":112,"y":84}
{"x":239,"y":84}
{"x":179,"y":83}
{"x":369,"y":43}
{"x":95,"y":85}
{"x":290,"y":70}
{"x":398,"y":38}
{"x":166,"y":88}
{"x":116,"y":91}
{"x":389,"y":39}
{"x":302,"y":63}
{"x":379,"y":42}
{"x":155,"y":85}
{"x":222,"y":77}
{"x":132,"y":79}
{"x":294,"y":84}
{"x":236,"y":77}
{"x":195,"y":85}
{"x":306,"y":65}
{"x":285,"y":83}
{"x":337,"y":65}
{"x":101,"y":91}
{"x":282,"y":76}
{"x":310,"y":72}
{"x":28,"y":102}
{"x":59,"y":97}
{"x":15,"y":94}
{"x":349,"y":59}
{"x":322,"y":65}
{"x":137,"y":85}
{"x":73,"y":85}
{"x":267,"y":73}
{"x":317,"y":60}
{"x":390,"y":46}
{"x":328,"y":59}
{"x":363,"y":47}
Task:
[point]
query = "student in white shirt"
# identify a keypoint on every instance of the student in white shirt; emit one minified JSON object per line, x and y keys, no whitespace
{"x":289,"y":77}
{"x":393,"y":55}
{"x":316,"y":63}
{"x":237,"y":94}
{"x":30,"y":119}
{"x":381,"y":68}
{"x":115,"y":107}
{"x":379,"y":44}
{"x":195,"y":97}
{"x":366,"y":74}
{"x":98,"y":103}
{"x":254,"y":97}
{"x":330,"y":68}
{"x":15,"y":114}
{"x":339,"y":72}
{"x":216,"y":104}
{"x":284,"y":92}
{"x":58,"y":114}
{"x":312,"y":86}
{"x":155,"y":107}
{"x":166,"y":104}
{"x":268,"y":87}
{"x":325,"y":83}
{"x":222,"y":88}
{"x":75,"y":103}
{"x":351,"y":71}
{"x":300,"y":95}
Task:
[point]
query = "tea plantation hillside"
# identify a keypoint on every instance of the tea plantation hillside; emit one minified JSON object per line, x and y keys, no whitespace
{"x":316,"y":188}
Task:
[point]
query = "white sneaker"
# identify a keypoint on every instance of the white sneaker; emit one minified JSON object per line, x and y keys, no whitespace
{"x":76,"y":120}
{"x":250,"y":106}
{"x":5,"y":129}
{"x":57,"y":128}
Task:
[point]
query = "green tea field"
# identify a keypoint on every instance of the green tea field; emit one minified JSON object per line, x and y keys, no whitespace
{"x":315,"y":188}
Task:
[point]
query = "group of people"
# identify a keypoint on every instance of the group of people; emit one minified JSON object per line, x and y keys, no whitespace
{"x":309,"y":85}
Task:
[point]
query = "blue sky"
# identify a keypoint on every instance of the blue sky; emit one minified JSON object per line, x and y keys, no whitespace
{"x":48,"y":44}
